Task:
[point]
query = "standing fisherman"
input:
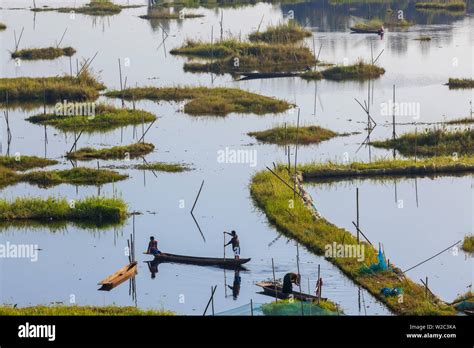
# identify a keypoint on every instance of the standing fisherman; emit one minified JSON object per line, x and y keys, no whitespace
{"x":235,"y":244}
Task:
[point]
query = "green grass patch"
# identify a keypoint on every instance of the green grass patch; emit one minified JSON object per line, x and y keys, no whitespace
{"x":297,"y":222}
{"x":289,"y":32}
{"x":208,"y":101}
{"x":62,"y":310}
{"x":106,"y":117}
{"x":468,"y":244}
{"x":460,"y":83}
{"x":358,"y":71}
{"x":91,"y":209}
{"x":432,"y":142}
{"x":293,"y":308}
{"x":449,"y":6}
{"x":441,"y":165}
{"x":163,"y":167}
{"x":283,"y":136}
{"x":43,"y":53}
{"x":74,"y":176}
{"x":373,"y":24}
{"x":463,"y":120}
{"x":312,"y":75}
{"x":51,"y":89}
{"x":233,"y":56}
{"x":25,"y":162}
{"x":94,"y":8}
{"x":115,"y":152}
{"x":174,"y":15}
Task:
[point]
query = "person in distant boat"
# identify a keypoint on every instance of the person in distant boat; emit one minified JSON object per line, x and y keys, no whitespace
{"x":381,"y":30}
{"x":153,"y":247}
{"x":235,"y":244}
{"x":288,"y":280}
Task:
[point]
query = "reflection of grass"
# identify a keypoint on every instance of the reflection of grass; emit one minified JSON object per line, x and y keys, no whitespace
{"x":90,"y":209}
{"x":312,"y":75}
{"x":56,"y":226}
{"x":298,"y":222}
{"x":51,"y":89}
{"x":432,"y":142}
{"x":423,"y":38}
{"x":293,"y":308}
{"x":461,"y":83}
{"x":43,"y":53}
{"x":94,"y":8}
{"x":381,"y":168}
{"x":232,"y":55}
{"x":25,"y":162}
{"x":175,"y":15}
{"x":81,"y":310}
{"x":289,"y":32}
{"x":453,"y":5}
{"x":208,"y":101}
{"x":358,"y":71}
{"x":106,"y":117}
{"x":468,"y":244}
{"x":115,"y":152}
{"x":282,"y":136}
{"x":163,"y":167}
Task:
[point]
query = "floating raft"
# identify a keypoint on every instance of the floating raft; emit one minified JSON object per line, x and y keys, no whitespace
{"x":269,"y":289}
{"x":119,"y":277}
{"x":366,"y":31}
{"x":201,"y":261}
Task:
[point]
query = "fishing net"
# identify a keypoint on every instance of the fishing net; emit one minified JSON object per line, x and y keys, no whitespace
{"x":296,"y":308}
{"x":244,"y":310}
{"x":381,"y":265}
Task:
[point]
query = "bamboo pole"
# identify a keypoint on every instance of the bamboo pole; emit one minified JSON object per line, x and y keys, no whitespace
{"x":274,"y":281}
{"x":299,"y":275}
{"x":357,"y":207}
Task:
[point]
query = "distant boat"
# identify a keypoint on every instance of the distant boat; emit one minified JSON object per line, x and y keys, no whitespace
{"x":276,"y":290}
{"x":367,"y":31}
{"x":201,"y":261}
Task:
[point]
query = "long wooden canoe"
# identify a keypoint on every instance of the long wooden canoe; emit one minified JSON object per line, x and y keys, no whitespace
{"x":269,"y":290}
{"x":201,"y":261}
{"x":269,"y":75}
{"x":119,"y":277}
{"x":366,"y":31}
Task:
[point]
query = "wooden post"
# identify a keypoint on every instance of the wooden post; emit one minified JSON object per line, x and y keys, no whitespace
{"x":274,"y":281}
{"x":426,"y":285}
{"x":224,"y":247}
{"x":357,"y":208}
{"x":212,"y":301}
{"x":394,"y":134}
{"x":319,"y":277}
{"x":296,"y":150}
{"x":251,"y":307}
{"x":299,"y":275}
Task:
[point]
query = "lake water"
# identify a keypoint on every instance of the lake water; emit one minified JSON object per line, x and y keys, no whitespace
{"x":73,"y":260}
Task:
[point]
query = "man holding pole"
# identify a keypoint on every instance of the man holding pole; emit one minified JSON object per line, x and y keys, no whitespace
{"x":235,"y":244}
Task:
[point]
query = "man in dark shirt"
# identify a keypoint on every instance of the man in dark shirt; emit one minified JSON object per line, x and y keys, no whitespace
{"x":235,"y":244}
{"x":288,"y":280}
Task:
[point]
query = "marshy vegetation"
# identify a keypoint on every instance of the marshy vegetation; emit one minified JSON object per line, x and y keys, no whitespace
{"x":174,"y":15}
{"x":295,"y":307}
{"x":105,"y":117}
{"x":358,"y":71}
{"x":63,"y":310}
{"x":289,"y":32}
{"x":51,"y":89}
{"x":468,"y":244}
{"x":432,"y":142}
{"x":460,"y":83}
{"x":441,"y":165}
{"x":90,"y":209}
{"x":272,"y":196}
{"x":234,"y":56}
{"x":43,"y":53}
{"x":22,"y":163}
{"x":116,"y":152}
{"x":207,"y":101}
{"x":94,"y":8}
{"x":284,"y":135}
{"x":451,"y":5}
{"x":163,"y":167}
{"x":2,"y":26}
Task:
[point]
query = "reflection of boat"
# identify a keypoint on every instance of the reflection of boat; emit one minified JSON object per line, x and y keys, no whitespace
{"x":119,"y":277}
{"x":201,"y":261}
{"x":367,"y":31}
{"x":270,"y":289}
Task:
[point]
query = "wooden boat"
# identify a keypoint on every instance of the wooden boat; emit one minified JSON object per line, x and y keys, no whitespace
{"x":366,"y":31}
{"x":269,"y":290}
{"x":269,"y":75}
{"x":201,"y":261}
{"x":119,"y":277}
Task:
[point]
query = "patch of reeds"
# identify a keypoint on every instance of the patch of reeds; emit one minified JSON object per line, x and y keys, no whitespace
{"x":116,"y":152}
{"x":291,"y":135}
{"x":460,"y":83}
{"x":25,"y":162}
{"x":289,"y":32}
{"x":43,"y":53}
{"x":453,"y":5}
{"x":94,"y":8}
{"x":208,"y":101}
{"x":63,"y":310}
{"x":468,"y":244}
{"x":358,"y":71}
